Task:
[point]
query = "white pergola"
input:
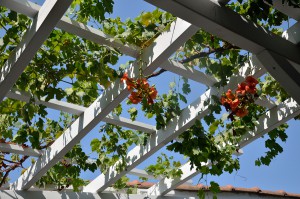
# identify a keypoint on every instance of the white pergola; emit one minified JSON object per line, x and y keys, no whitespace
{"x":280,"y":56}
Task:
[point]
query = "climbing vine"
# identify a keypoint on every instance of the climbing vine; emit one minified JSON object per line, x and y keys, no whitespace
{"x":74,"y":69}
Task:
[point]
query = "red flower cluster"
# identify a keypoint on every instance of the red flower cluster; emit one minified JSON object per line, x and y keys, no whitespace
{"x":238,"y":102}
{"x":140,"y":89}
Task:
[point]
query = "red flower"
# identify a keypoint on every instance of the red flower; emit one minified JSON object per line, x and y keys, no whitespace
{"x":242,"y":112}
{"x":125,"y":77}
{"x":143,"y":83}
{"x":234,"y":104}
{"x":241,"y":89}
{"x":129,"y":82}
{"x":153,"y":92}
{"x":251,"y":80}
{"x":135,"y":97}
{"x":230,"y":95}
{"x":251,"y":89}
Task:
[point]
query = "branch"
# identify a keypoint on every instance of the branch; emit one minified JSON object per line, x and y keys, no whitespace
{"x":13,"y":167}
{"x":156,"y":73}
{"x":211,"y":51}
{"x":3,"y":159}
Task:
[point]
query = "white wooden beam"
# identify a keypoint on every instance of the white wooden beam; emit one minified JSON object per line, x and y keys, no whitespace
{"x":156,"y":141}
{"x":284,"y":71}
{"x":266,"y":123}
{"x":279,"y":56}
{"x":13,"y":148}
{"x":188,"y":72}
{"x":128,"y":123}
{"x":180,"y":31}
{"x":166,"y":185}
{"x":265,"y":102}
{"x":286,"y":9}
{"x":288,"y":76}
{"x":143,"y":173}
{"x":42,"y":25}
{"x":182,"y":193}
{"x":272,"y":119}
{"x":31,"y":9}
{"x":230,"y":26}
{"x":77,"y":110}
{"x":52,"y":103}
{"x":196,"y":110}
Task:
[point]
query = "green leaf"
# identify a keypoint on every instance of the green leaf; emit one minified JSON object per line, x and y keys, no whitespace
{"x":214,"y":187}
{"x":133,"y":113}
{"x":214,"y":126}
{"x":95,"y":144}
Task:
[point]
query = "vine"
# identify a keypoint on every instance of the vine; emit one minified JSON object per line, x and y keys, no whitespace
{"x":86,"y":68}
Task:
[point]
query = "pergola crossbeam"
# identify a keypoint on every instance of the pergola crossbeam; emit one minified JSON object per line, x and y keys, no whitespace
{"x":42,"y":25}
{"x":189,"y":72}
{"x":154,"y":55}
{"x":196,"y":110}
{"x":30,"y":9}
{"x":286,"y":9}
{"x":269,"y":121}
{"x":77,"y":110}
{"x":13,"y":148}
{"x":236,"y":29}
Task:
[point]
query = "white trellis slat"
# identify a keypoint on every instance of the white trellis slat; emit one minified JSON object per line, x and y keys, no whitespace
{"x":198,"y":76}
{"x":285,"y":72}
{"x":188,"y":72}
{"x":156,"y":141}
{"x":230,"y":26}
{"x":196,"y":110}
{"x":154,"y":55}
{"x":41,"y":27}
{"x":30,"y":9}
{"x":286,"y":9}
{"x":166,"y":185}
{"x":143,"y":173}
{"x":76,"y":109}
{"x":13,"y":148}
{"x":269,"y":121}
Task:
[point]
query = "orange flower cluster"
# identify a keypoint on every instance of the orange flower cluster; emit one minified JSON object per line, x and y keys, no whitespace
{"x":140,"y":89}
{"x":237,"y":102}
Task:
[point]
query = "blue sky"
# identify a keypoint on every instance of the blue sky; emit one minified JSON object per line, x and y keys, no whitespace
{"x":282,"y":174}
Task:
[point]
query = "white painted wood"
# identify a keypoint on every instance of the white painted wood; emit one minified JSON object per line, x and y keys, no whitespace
{"x":77,"y":110}
{"x":13,"y":148}
{"x":52,"y":103}
{"x":269,"y":121}
{"x":286,"y":9}
{"x":292,"y":34}
{"x":142,"y":173}
{"x":166,"y":185}
{"x":286,"y":72}
{"x":177,"y":194}
{"x":230,"y":26}
{"x":42,"y":25}
{"x":154,"y":55}
{"x":272,"y":119}
{"x":157,"y":140}
{"x":265,"y":102}
{"x":276,"y":53}
{"x":287,"y":76}
{"x":188,"y":72}
{"x":31,"y":9}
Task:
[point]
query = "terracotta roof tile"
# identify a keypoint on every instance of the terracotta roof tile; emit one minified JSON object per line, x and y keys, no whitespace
{"x":227,"y":188}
